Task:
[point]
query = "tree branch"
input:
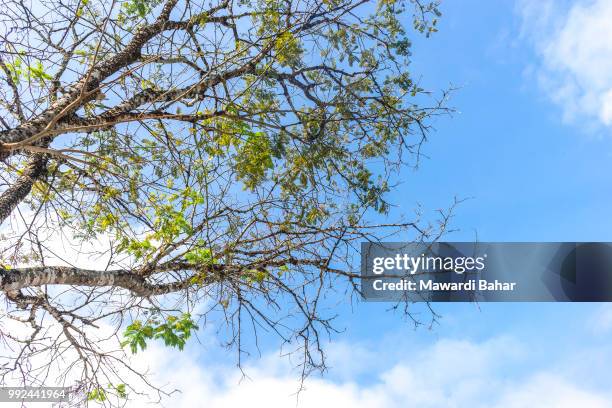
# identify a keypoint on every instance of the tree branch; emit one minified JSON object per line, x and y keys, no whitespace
{"x":11,"y":197}
{"x":15,"y":279}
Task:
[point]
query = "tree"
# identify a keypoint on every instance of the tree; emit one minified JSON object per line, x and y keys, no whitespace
{"x":224,"y":153}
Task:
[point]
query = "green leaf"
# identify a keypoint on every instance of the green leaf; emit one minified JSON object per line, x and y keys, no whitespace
{"x":175,"y":332}
{"x":97,"y":394}
{"x":120,"y":388}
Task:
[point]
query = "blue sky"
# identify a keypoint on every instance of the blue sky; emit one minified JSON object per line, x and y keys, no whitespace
{"x":533,"y":174}
{"x":531,"y":145}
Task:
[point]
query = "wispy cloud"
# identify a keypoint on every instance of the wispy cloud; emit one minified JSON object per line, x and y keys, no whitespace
{"x":601,"y":322}
{"x":573,"y":42}
{"x":498,"y":372}
{"x":447,"y":373}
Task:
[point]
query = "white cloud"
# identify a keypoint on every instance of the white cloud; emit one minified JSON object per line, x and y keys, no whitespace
{"x":499,"y":372}
{"x":447,"y":373}
{"x":574,"y":46}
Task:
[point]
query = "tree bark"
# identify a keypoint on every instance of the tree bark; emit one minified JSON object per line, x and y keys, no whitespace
{"x":20,"y":189}
{"x":12,"y":280}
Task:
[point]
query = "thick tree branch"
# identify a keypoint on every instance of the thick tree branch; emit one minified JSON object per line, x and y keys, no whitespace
{"x":11,"y":197}
{"x":20,"y":278}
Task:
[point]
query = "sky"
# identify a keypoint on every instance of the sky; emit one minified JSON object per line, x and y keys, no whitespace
{"x":530,"y":141}
{"x":530,"y":145}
